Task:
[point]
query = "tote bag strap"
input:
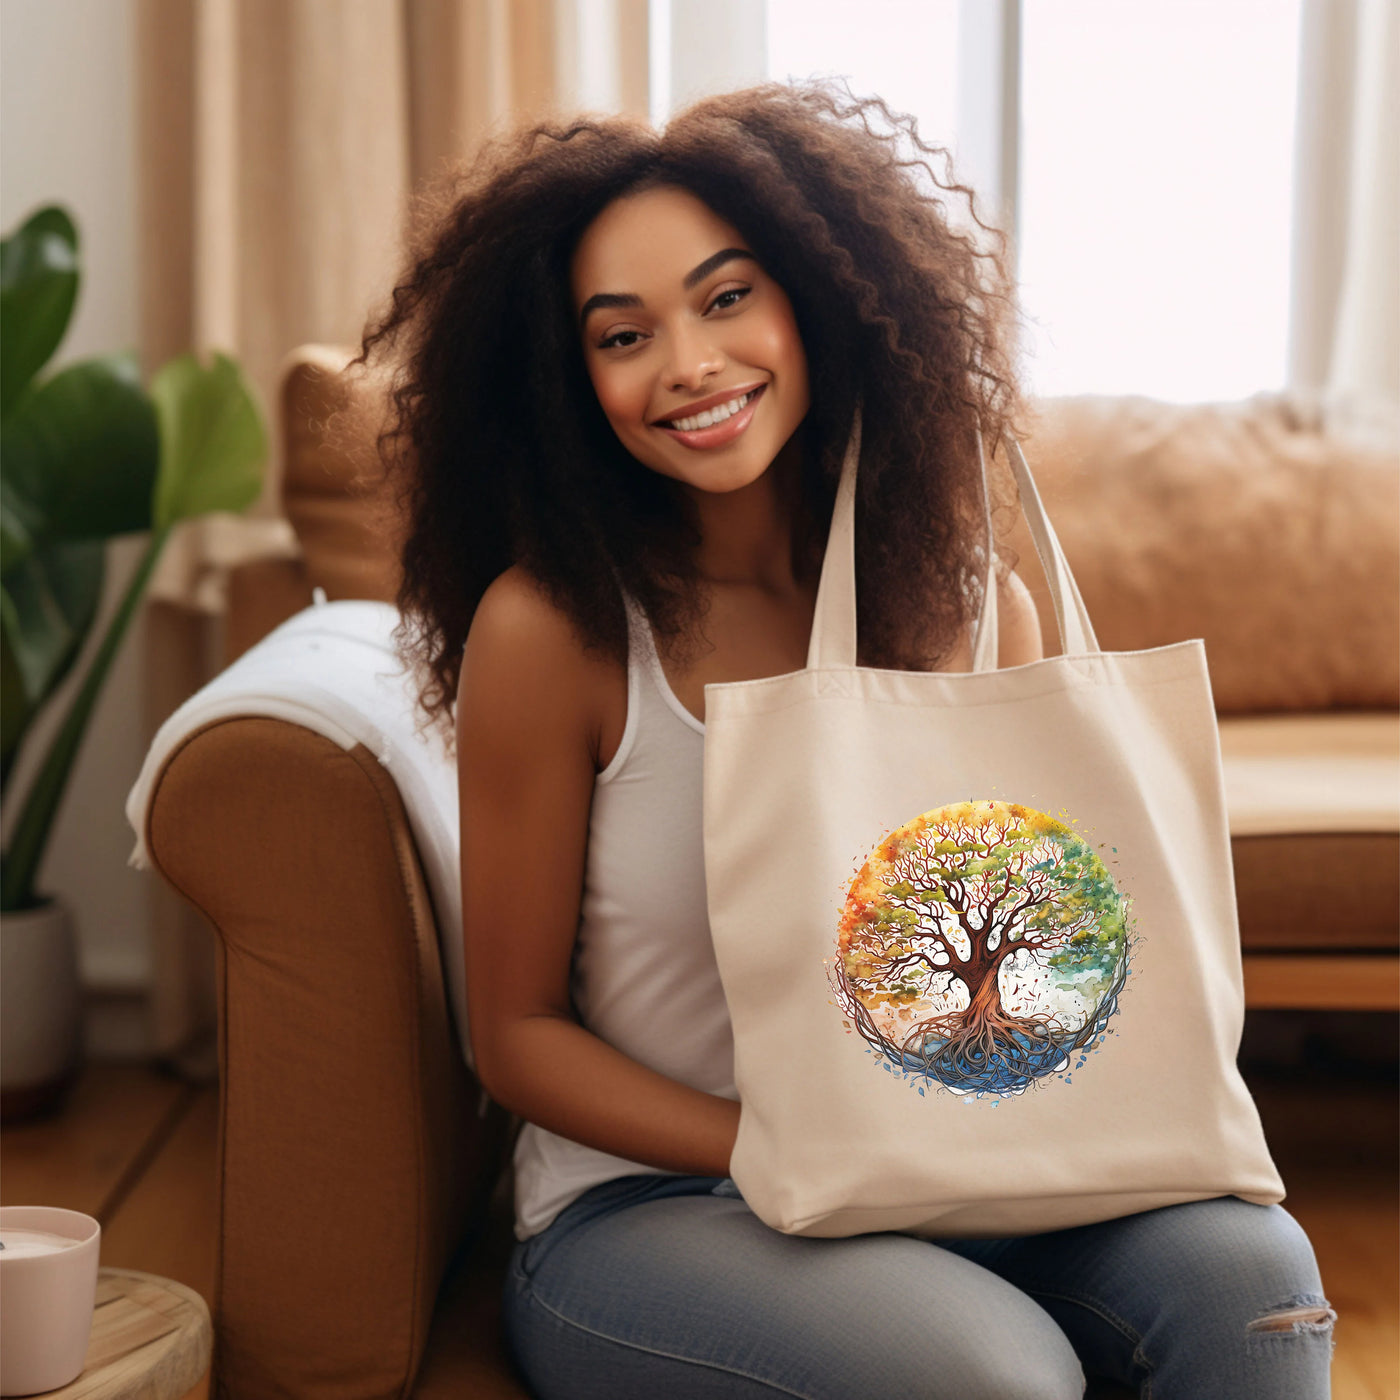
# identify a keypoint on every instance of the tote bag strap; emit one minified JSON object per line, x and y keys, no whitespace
{"x":833,"y":641}
{"x":984,"y":630}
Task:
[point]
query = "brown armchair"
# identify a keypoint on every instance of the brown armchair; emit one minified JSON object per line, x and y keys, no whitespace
{"x":364,"y":1182}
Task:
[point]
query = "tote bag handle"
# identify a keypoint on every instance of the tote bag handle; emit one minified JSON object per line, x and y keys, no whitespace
{"x":833,"y":640}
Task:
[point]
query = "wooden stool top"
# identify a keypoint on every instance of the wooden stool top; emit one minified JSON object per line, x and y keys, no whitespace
{"x":151,"y":1337}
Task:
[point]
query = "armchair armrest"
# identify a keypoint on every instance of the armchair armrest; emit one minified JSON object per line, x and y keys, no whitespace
{"x":353,"y":1159}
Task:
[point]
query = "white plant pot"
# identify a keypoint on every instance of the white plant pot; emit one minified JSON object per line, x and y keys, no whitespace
{"x":40,"y":1008}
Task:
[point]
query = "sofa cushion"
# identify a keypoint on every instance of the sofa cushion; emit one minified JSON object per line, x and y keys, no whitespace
{"x":333,"y":488}
{"x":1239,"y":523}
{"x":1311,"y":773}
{"x":1314,"y":811}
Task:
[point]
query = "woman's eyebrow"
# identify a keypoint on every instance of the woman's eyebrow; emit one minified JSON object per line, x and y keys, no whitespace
{"x":693,"y":278}
{"x":697,"y":275}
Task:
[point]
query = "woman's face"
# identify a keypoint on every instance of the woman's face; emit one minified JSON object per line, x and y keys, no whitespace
{"x":692,"y":348}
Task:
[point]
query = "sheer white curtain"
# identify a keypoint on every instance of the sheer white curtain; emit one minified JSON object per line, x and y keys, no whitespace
{"x":1344,"y":346}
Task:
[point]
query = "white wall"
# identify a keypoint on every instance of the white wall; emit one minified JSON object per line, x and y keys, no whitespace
{"x":67,"y":116}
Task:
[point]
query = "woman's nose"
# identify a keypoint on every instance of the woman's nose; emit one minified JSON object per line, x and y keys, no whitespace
{"x":694,"y":357}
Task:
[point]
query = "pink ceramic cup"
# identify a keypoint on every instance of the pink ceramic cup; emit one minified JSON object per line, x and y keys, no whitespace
{"x":46,"y":1301}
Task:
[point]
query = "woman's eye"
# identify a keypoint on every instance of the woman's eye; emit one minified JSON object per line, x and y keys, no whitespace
{"x":625,"y":340}
{"x":719,"y":303}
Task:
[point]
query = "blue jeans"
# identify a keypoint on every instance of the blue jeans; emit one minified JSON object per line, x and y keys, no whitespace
{"x":652,"y":1287}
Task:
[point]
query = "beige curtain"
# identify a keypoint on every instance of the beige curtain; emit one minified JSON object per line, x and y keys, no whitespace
{"x":1345,"y":339}
{"x":278,"y":141}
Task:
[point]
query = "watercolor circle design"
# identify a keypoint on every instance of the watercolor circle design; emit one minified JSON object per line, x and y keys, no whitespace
{"x":981,"y":946}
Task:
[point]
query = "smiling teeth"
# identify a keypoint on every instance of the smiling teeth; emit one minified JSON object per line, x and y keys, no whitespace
{"x":711,"y":416}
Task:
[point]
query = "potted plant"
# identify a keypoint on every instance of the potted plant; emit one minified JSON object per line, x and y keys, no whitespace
{"x":86,"y":454}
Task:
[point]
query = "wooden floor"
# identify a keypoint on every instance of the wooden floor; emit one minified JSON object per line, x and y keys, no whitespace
{"x":136,"y":1149}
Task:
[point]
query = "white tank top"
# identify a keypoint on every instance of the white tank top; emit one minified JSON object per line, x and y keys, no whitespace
{"x":643,"y":977}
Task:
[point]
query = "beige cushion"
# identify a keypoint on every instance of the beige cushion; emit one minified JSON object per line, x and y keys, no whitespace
{"x":1238,"y":523}
{"x":1322,"y":773}
{"x":1314,"y":812}
{"x":333,"y":490}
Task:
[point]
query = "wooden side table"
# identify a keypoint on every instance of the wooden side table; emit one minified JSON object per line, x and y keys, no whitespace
{"x":151,"y":1340}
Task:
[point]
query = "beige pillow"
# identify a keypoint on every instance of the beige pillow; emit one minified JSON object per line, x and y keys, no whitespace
{"x":1240,"y":523}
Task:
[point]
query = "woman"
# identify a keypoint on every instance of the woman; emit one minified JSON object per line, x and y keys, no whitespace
{"x":631,"y":366}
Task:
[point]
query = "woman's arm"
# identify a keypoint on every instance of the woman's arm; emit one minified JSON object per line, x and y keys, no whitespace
{"x":526,"y":752}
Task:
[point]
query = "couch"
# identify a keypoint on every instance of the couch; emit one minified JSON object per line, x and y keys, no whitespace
{"x":364,"y":1179}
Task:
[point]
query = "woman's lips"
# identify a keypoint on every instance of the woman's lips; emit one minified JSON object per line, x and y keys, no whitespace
{"x":717,"y":434}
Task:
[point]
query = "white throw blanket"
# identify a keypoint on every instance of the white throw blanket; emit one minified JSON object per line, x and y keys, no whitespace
{"x":333,"y":669}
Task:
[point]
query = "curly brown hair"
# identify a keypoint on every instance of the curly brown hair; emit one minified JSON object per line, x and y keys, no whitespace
{"x":502,"y":454}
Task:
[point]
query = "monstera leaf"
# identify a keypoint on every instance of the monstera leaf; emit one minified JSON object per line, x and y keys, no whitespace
{"x":38,"y":287}
{"x":88,"y":455}
{"x":212,"y":441}
{"x":80,"y":455}
{"x":81,"y":451}
{"x":47,"y":604}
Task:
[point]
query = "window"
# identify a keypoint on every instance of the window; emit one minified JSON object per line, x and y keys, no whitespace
{"x":906,"y":51}
{"x":1156,"y":195}
{"x":1153,"y":152}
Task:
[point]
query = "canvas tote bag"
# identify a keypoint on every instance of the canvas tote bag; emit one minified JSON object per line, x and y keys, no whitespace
{"x":977,"y":930}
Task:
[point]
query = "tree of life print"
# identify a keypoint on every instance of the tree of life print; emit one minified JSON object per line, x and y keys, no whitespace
{"x":980,"y":946}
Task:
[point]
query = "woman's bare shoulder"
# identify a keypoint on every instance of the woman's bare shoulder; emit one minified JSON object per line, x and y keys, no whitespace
{"x":1018,"y":628}
{"x":1019,"y":639}
{"x":516,"y":608}
{"x":525,"y":663}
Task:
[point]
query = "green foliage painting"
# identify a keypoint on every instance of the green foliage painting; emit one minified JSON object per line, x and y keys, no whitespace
{"x":982,"y":946}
